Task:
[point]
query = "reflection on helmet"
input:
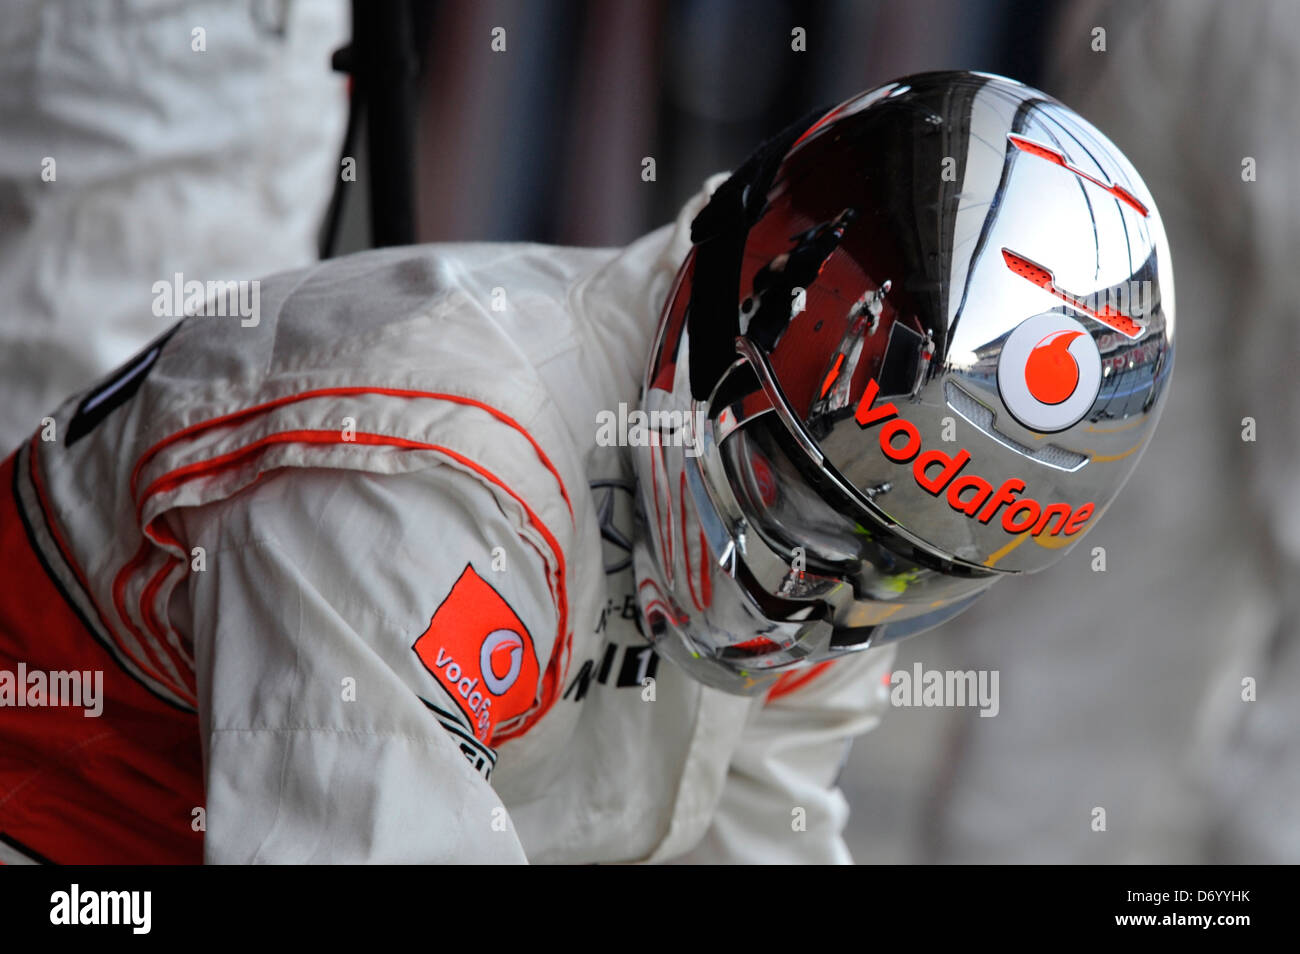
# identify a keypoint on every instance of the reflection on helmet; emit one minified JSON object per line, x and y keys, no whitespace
{"x":929,"y":335}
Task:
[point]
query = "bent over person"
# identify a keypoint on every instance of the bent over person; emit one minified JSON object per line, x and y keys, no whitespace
{"x":506,"y":552}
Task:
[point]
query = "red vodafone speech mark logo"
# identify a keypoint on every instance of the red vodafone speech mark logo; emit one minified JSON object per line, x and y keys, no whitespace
{"x":501,"y":659}
{"x":479,"y":651}
{"x":1051,"y":373}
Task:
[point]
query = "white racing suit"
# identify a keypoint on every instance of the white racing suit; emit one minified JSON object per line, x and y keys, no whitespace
{"x":356,"y":578}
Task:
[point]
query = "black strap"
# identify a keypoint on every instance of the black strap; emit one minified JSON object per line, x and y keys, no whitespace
{"x":384,"y":62}
{"x":719,"y":232}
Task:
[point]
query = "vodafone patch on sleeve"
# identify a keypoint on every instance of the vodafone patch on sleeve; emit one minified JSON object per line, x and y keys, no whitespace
{"x":479,"y":650}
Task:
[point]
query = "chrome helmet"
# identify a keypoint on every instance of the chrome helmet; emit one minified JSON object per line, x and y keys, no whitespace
{"x":919,"y":343}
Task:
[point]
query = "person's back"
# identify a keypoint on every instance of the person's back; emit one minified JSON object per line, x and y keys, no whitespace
{"x":350,"y":549}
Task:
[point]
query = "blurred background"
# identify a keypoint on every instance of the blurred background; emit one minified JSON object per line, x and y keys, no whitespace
{"x":1120,"y":690}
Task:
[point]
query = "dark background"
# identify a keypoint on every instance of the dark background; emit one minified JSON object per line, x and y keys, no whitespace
{"x":544,"y":142}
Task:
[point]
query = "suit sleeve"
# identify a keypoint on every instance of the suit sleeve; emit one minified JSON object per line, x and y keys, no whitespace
{"x":329,"y":736}
{"x":780,"y":803}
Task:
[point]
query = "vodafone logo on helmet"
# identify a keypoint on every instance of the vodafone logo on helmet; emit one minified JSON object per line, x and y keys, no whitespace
{"x":1049,"y":372}
{"x":968,"y":494}
{"x":501,"y":658}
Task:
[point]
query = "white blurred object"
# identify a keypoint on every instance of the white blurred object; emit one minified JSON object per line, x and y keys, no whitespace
{"x":1205,"y":95}
{"x":216,"y":164}
{"x":1122,"y":690}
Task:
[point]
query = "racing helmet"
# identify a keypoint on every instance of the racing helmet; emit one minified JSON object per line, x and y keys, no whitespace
{"x":919,"y":343}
